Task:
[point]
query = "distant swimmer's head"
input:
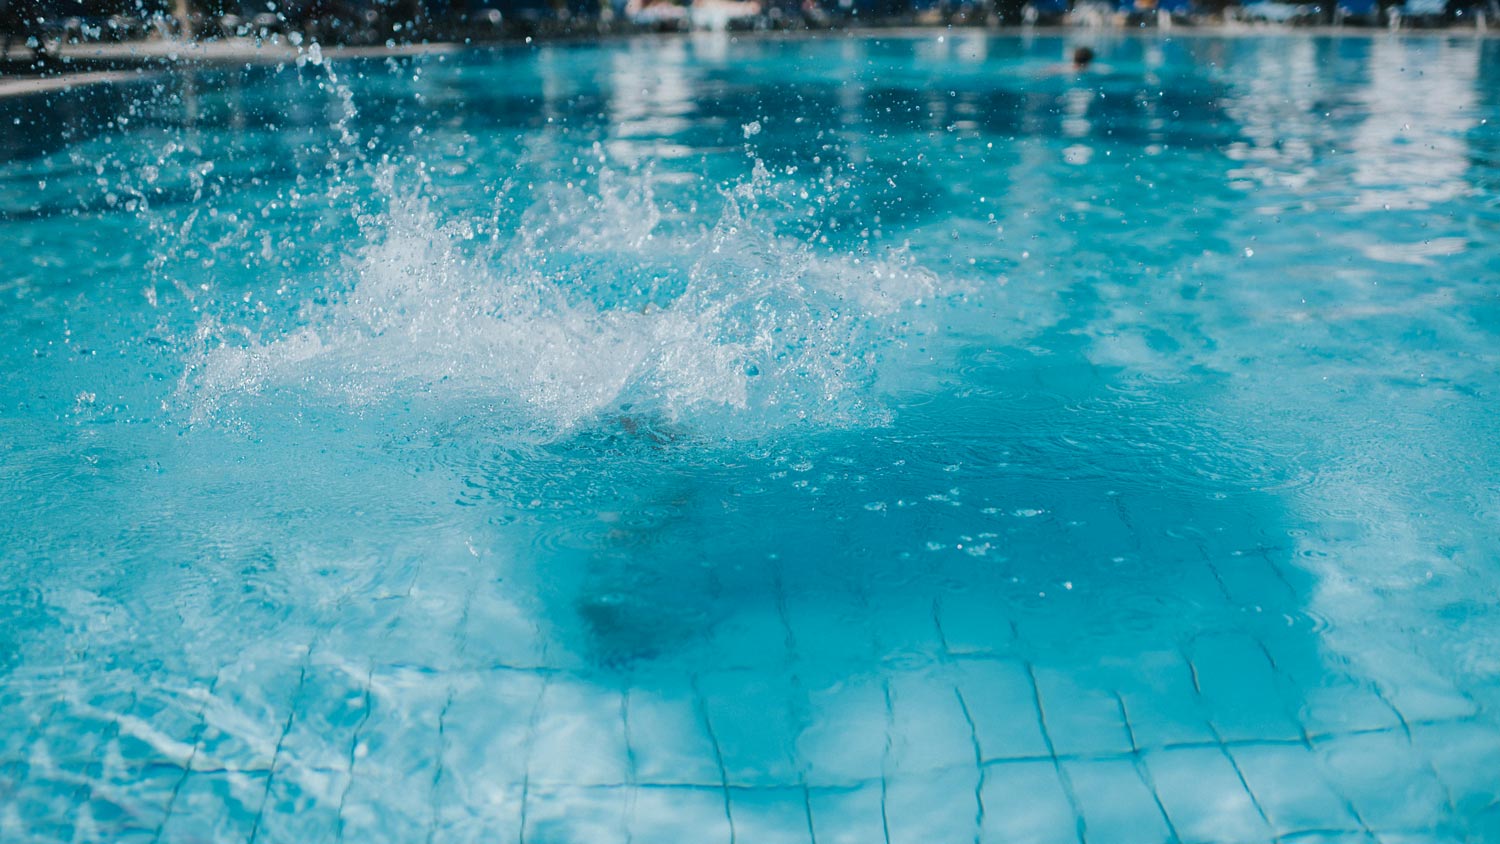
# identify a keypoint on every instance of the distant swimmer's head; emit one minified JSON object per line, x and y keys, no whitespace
{"x":1082,"y":58}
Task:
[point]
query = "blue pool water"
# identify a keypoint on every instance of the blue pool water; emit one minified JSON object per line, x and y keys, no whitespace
{"x":847,"y":440}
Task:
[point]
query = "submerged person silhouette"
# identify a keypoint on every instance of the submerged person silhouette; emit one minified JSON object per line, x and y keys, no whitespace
{"x":1082,"y":58}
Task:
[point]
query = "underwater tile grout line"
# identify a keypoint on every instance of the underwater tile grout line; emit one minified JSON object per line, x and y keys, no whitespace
{"x":286,"y":729}
{"x":701,"y":710}
{"x":366,"y":707}
{"x":885,"y":759}
{"x":812,"y":827}
{"x":1260,"y":810}
{"x":1143,"y":771}
{"x":963,"y":706}
{"x":438,"y":768}
{"x":1052,"y":756}
{"x":187,"y":768}
{"x":527,"y":749}
{"x":1309,"y":740}
{"x":631,"y":764}
{"x":992,"y":762}
{"x":462,"y":637}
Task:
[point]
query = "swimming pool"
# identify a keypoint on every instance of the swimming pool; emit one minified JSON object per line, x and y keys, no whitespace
{"x":701,"y":440}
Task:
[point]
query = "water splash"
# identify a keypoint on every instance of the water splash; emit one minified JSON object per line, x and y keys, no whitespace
{"x":588,"y":308}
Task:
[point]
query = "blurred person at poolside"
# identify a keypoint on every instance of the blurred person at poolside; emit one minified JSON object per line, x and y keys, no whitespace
{"x":723,"y":14}
{"x":20,"y":20}
{"x":1082,"y":62}
{"x":660,"y":14}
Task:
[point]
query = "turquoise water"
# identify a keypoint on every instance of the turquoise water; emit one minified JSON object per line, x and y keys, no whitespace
{"x":845,"y":440}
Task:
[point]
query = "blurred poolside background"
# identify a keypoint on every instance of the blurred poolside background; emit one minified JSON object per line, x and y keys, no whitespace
{"x":94,"y":32}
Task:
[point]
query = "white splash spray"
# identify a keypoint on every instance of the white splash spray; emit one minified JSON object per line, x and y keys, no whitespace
{"x":585,"y":310}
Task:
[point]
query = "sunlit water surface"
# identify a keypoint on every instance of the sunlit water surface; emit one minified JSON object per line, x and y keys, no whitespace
{"x":833,"y":440}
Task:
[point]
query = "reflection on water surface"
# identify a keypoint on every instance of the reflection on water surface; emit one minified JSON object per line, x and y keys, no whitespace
{"x":845,"y":440}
